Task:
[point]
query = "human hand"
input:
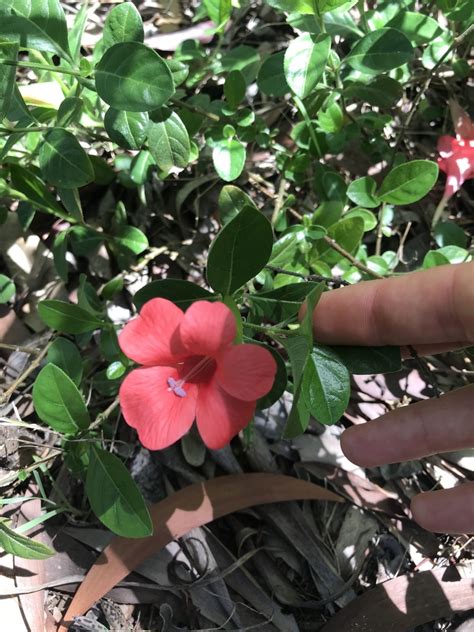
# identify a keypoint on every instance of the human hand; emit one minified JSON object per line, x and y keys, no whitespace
{"x":433,"y":311}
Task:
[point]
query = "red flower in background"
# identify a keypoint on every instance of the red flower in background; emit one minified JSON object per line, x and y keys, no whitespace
{"x":191,"y":370}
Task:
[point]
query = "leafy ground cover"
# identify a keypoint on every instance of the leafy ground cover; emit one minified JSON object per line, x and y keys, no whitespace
{"x":249,"y":155}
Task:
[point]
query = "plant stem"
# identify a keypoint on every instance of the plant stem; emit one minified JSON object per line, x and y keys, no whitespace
{"x":196,"y":109}
{"x":308,"y":277}
{"x":332,"y":243}
{"x":25,"y":130}
{"x":34,"y":365}
{"x":32,"y":350}
{"x":304,"y":113}
{"x":270,"y":331}
{"x":378,"y":243}
{"x":363,"y":17}
{"x":33,"y":65}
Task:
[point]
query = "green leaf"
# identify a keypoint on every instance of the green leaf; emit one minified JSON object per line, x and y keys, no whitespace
{"x":40,"y":25}
{"x":168,"y":140}
{"x":64,"y":354}
{"x":35,"y":190}
{"x":63,"y":161}
{"x":283,"y":303}
{"x":58,"y":402}
{"x":126,"y":129}
{"x":182,"y":293}
{"x":178,"y":70}
{"x":85,"y":240}
{"x":59,"y":254}
{"x":293,"y":6}
{"x":218,"y":10}
{"x":69,"y":111}
{"x":132,"y":77}
{"x":382,"y":91}
{"x":418,"y":27}
{"x":280,"y":383}
{"x":67,"y":318}
{"x":229,"y":157}
{"x":72,"y":201}
{"x":123,"y":24}
{"x":449,"y":234}
{"x":8,"y":51}
{"x":379,"y":51}
{"x":348,"y":233}
{"x":326,"y":385}
{"x":369,"y":219}
{"x":234,"y":88}
{"x":22,"y":546}
{"x":362,"y":192}
{"x":305,"y":61}
{"x":369,"y":360}
{"x":271,"y":76}
{"x":409,"y":182}
{"x":7,"y":289}
{"x":132,"y":239}
{"x":240,"y":250}
{"x":231,"y":201}
{"x":114,"y":496}
{"x":325,"y":6}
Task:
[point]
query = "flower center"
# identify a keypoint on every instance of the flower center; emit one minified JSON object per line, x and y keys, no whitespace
{"x":198,"y":369}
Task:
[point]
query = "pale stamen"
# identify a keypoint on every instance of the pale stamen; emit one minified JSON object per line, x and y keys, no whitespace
{"x":177,"y":385}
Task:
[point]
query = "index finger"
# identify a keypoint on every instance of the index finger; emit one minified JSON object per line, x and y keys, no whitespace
{"x":429,"y":307}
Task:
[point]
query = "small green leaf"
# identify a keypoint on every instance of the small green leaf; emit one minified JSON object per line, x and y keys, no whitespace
{"x":296,"y":6}
{"x":305,"y":61}
{"x":283,"y":303}
{"x":63,"y":161}
{"x":7,"y":289}
{"x":418,"y":27}
{"x":35,"y":190}
{"x":348,"y":233}
{"x":126,"y":129}
{"x":182,"y":293}
{"x":326,"y":385}
{"x":382,"y":91}
{"x":114,"y":496}
{"x":59,"y":255}
{"x":132,"y":77}
{"x":380,"y":51}
{"x":21,"y":546}
{"x":132,"y":239}
{"x":67,"y":318}
{"x":115,"y":370}
{"x":58,"y":402}
{"x":64,"y":354}
{"x":362,"y":192}
{"x":69,"y":111}
{"x":369,"y":219}
{"x":409,"y":182}
{"x":123,"y":24}
{"x":369,"y":360}
{"x":218,"y":10}
{"x":240,"y":251}
{"x":229,"y":157}
{"x":8,"y":51}
{"x":234,"y":88}
{"x":231,"y":201}
{"x":271,"y":76}
{"x":168,"y":140}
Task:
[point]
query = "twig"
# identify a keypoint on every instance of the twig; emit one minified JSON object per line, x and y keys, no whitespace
{"x":32,"y":350}
{"x":424,"y":370}
{"x":378,"y":242}
{"x":332,"y":243}
{"x":196,"y":109}
{"x":336,"y":281}
{"x":279,"y":200}
{"x":34,"y":365}
{"x":101,"y":417}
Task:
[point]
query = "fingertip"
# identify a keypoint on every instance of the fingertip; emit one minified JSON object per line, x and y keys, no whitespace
{"x":446,"y":510}
{"x":352,"y":445}
{"x":420,"y":509}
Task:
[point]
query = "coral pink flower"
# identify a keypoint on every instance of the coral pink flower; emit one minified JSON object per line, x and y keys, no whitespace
{"x":191,"y":370}
{"x":457,"y":161}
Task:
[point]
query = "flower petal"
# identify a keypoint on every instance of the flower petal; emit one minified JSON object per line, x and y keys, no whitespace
{"x":246,"y":372}
{"x":220,"y":416}
{"x":446,"y":146}
{"x":148,"y":338}
{"x":159,"y":416}
{"x":207,"y":328}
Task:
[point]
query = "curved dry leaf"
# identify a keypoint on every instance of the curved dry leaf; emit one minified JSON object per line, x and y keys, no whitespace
{"x":405,"y":602}
{"x":191,"y":507}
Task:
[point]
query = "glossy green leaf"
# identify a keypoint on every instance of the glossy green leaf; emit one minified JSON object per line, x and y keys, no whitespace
{"x":326,"y":385}
{"x":85,"y":240}
{"x":409,"y":182}
{"x":69,"y":111}
{"x":296,"y":6}
{"x":271,"y":76}
{"x":64,"y":354}
{"x":178,"y":70}
{"x":35,"y":190}
{"x":132,"y":77}
{"x":369,"y":219}
{"x":58,"y":402}
{"x":123,"y":24}
{"x":418,"y":27}
{"x":126,"y":129}
{"x":449,"y":234}
{"x":182,"y":293}
{"x":325,"y":6}
{"x":39,"y":24}
{"x":229,"y":159}
{"x":67,"y":318}
{"x":168,"y":140}
{"x":282,"y":303}
{"x":244,"y":58}
{"x":380,"y":51}
{"x":369,"y":360}
{"x":115,"y":370}
{"x":8,"y":51}
{"x":72,"y":202}
{"x":132,"y":239}
{"x":7,"y":289}
{"x":348,"y":233}
{"x":305,"y":61}
{"x":218,"y":10}
{"x":382,"y":91}
{"x":362,"y":192}
{"x":20,"y":545}
{"x":240,"y":251}
{"x":59,"y":255}
{"x":231,"y":201}
{"x":114,"y":496}
{"x":234,"y":88}
{"x":63,"y":161}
